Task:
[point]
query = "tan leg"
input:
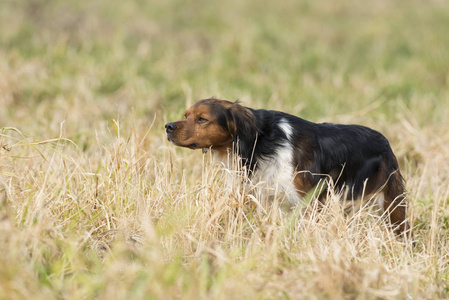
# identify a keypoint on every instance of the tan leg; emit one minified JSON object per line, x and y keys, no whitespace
{"x":395,"y":204}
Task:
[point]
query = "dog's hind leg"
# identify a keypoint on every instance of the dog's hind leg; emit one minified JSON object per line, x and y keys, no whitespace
{"x":395,"y":204}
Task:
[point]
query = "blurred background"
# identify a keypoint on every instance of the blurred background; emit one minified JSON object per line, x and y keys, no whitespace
{"x":85,"y":63}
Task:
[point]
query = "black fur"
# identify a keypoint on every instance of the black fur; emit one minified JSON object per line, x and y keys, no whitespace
{"x":349,"y":154}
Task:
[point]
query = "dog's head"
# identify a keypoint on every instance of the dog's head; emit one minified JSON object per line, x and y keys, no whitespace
{"x":210,"y":123}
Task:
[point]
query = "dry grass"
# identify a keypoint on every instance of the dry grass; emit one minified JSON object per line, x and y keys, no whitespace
{"x":125,"y":222}
{"x":94,"y":202}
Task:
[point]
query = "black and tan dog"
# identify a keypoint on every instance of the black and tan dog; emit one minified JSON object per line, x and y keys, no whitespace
{"x":296,"y":154}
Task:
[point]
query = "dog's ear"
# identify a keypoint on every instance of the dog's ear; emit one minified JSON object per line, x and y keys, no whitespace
{"x":242,"y":125}
{"x":241,"y":120}
{"x":232,"y":127}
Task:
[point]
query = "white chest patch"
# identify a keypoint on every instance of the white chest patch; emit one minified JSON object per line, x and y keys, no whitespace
{"x":275,"y":174}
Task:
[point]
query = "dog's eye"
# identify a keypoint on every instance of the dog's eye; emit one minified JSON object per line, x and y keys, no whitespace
{"x":201,"y":120}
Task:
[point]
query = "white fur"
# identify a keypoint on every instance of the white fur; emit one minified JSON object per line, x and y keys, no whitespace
{"x":286,"y":127}
{"x":276,"y":174}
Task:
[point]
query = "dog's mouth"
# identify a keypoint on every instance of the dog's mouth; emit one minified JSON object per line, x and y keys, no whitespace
{"x":190,"y":146}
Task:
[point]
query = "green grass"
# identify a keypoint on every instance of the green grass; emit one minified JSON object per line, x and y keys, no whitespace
{"x":95,"y":203}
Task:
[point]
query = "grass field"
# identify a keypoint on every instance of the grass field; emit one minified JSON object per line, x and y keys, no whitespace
{"x":96,"y":204}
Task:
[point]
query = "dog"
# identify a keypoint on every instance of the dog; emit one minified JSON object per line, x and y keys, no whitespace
{"x":296,"y":154}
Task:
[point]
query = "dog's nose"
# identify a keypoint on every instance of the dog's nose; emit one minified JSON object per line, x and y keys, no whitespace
{"x":170,"y":127}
